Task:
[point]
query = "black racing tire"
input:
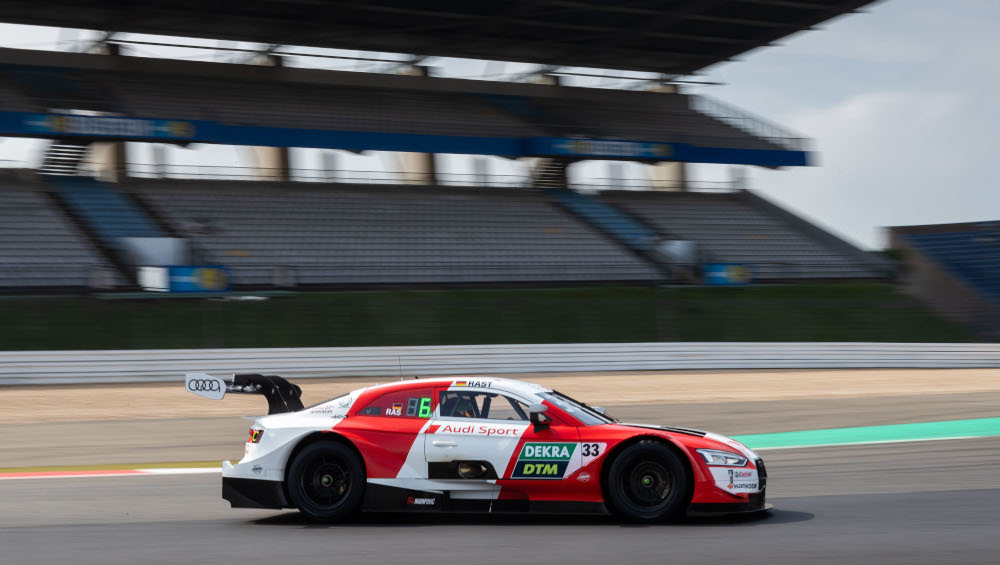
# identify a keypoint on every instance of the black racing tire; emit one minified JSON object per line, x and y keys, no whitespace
{"x":648,"y":482}
{"x":326,"y":481}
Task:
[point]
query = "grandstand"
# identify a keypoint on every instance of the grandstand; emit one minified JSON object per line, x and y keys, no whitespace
{"x":40,"y":247}
{"x":954,"y":269}
{"x":740,"y":227}
{"x":282,"y":234}
{"x":370,"y":234}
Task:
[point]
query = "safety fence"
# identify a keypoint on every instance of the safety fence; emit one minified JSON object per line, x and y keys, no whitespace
{"x":134,"y":366}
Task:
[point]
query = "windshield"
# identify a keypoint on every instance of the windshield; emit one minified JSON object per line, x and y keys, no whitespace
{"x":587,"y":415}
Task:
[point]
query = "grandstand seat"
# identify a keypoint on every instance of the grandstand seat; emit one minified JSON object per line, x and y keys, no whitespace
{"x":109,"y":213}
{"x":972,"y":255}
{"x":60,"y":89}
{"x":730,"y":228}
{"x":344,"y":234}
{"x":608,"y":218}
{"x":39,"y":247}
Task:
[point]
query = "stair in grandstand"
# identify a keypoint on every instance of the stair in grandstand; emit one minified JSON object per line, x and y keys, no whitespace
{"x":608,"y":219}
{"x":108,"y":213}
{"x":523,"y":108}
{"x":63,"y":158}
{"x":549,"y":173}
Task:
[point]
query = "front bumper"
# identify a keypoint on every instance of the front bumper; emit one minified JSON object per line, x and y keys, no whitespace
{"x":755,"y":503}
{"x":254,"y":493}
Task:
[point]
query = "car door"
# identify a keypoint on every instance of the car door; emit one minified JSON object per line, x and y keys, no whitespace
{"x":470,"y":441}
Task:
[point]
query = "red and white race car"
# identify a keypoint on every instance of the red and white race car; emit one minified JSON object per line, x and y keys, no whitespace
{"x":475,"y":444}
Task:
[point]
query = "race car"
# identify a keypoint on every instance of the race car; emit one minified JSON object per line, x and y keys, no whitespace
{"x":475,"y":444}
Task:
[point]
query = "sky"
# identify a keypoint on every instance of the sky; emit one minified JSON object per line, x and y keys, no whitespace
{"x":899,"y":100}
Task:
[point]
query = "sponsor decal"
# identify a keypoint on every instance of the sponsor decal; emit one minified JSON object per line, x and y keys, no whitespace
{"x":324,"y":410}
{"x":255,"y":436}
{"x":736,"y":480}
{"x":540,"y":470}
{"x":257,"y":469}
{"x":420,"y":501}
{"x":611,"y":148}
{"x":328,"y":411}
{"x":481,"y":430}
{"x":547,"y":451}
{"x":112,"y":126}
{"x":204,"y":385}
{"x":583,"y":477}
{"x":543,"y":460}
{"x":479,"y":384}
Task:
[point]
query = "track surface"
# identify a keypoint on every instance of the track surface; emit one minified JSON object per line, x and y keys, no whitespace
{"x":925,"y":502}
{"x":216,"y":438}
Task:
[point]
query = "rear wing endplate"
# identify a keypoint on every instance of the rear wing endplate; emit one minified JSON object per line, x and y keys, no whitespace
{"x":282,"y":396}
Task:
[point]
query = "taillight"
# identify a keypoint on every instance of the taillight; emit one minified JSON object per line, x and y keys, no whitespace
{"x":255,"y":435}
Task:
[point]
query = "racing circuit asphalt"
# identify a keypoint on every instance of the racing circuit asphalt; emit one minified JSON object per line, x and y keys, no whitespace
{"x":922,"y":502}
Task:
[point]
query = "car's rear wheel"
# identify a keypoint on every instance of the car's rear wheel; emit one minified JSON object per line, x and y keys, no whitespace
{"x":648,"y":482}
{"x":326,"y":481}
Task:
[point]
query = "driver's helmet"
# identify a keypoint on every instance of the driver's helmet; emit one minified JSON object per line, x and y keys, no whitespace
{"x":464,"y":408}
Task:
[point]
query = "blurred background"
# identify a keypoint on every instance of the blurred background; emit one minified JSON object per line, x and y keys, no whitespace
{"x":759,"y":217}
{"x":555,"y":173}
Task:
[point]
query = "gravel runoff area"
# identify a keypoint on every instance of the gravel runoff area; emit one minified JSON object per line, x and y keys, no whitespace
{"x":56,"y":403}
{"x":125,"y":424}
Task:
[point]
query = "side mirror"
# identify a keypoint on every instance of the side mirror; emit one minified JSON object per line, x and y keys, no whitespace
{"x":599,"y":409}
{"x":535,"y":412}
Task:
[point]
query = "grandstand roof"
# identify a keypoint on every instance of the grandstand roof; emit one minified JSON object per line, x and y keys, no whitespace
{"x":54,"y":94}
{"x":676,"y":37}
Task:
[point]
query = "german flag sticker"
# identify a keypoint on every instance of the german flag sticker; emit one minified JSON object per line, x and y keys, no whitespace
{"x":461,"y":383}
{"x":397,"y":405}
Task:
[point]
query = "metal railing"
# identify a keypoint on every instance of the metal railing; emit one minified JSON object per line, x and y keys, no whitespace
{"x":750,"y":123}
{"x":13,"y":164}
{"x":343,"y":176}
{"x":157,"y":365}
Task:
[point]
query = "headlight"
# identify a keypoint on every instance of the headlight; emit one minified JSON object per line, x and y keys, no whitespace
{"x":725,"y":458}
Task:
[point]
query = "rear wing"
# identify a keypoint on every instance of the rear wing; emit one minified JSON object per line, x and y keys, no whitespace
{"x":282,"y":396}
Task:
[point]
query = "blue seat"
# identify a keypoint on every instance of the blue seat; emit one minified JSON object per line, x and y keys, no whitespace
{"x":971,"y":256}
{"x":108,"y":212}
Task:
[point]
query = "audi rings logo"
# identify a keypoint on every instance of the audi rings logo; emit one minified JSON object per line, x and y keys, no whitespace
{"x":204,"y":385}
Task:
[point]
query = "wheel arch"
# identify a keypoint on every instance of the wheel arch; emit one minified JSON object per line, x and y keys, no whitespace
{"x":669,"y":443}
{"x":314,"y":437}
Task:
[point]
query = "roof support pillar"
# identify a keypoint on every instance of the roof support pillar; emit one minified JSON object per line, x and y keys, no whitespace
{"x":669,"y":176}
{"x":417,"y":168}
{"x":106,"y":160}
{"x":270,"y":163}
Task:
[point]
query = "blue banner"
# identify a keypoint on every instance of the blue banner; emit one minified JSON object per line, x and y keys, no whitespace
{"x":727,"y":274}
{"x":198,"y":278}
{"x":189,"y":131}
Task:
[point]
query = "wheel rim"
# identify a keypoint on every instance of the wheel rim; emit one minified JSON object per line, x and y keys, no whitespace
{"x":648,"y":484}
{"x":326,"y":482}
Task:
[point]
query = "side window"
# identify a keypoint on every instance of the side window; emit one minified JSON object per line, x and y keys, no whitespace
{"x":412,"y":403}
{"x":484,"y":405}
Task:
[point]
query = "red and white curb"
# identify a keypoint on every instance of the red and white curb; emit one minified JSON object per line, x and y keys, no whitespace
{"x":106,"y":473}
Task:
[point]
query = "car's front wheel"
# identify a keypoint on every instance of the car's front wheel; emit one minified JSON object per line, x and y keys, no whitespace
{"x":326,"y":481}
{"x":648,"y":482}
